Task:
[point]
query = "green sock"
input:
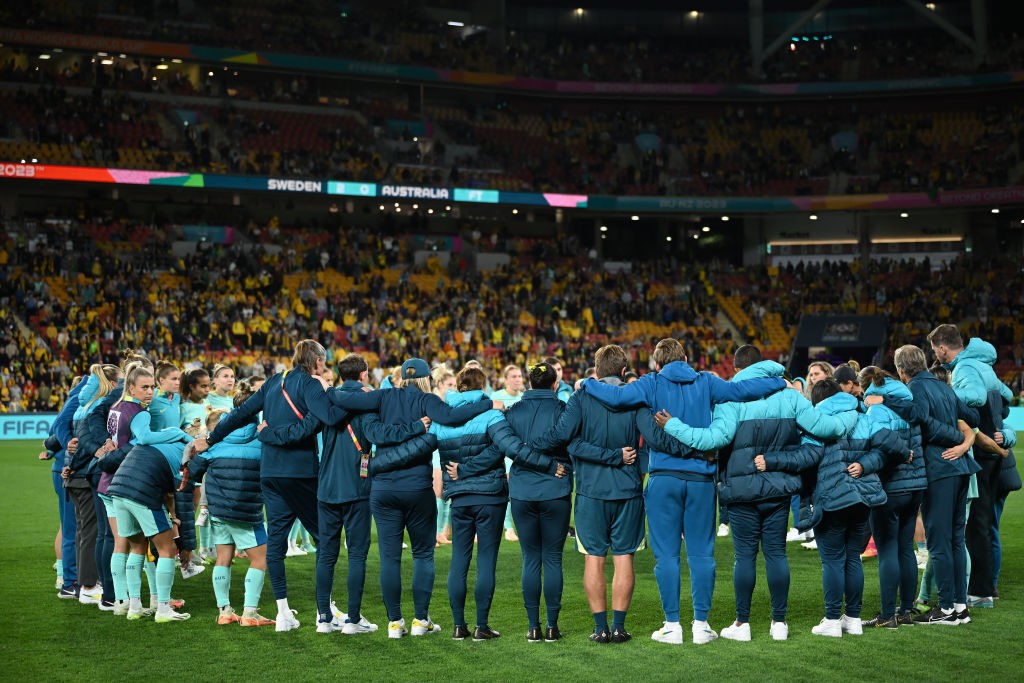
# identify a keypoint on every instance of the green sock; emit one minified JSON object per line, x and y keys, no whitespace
{"x":118,"y":572}
{"x":222,"y":585}
{"x":253,"y":587}
{"x":151,"y":576}
{"x":133,"y":574}
{"x":164,"y":579}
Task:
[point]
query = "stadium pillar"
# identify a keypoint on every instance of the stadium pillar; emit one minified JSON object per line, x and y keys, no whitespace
{"x":957,"y":34}
{"x":491,"y":13}
{"x":756,"y":16}
{"x":979,"y":18}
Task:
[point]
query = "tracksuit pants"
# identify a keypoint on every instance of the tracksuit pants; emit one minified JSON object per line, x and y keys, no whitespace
{"x":285,"y":500}
{"x":752,"y":524}
{"x":676,"y":506}
{"x":354,"y":518}
{"x":394,"y":512}
{"x":945,"y":516}
{"x":893,"y":526}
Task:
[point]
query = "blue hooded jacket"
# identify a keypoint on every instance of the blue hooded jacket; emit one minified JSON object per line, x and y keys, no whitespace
{"x":976,"y":384}
{"x":63,"y":427}
{"x":753,"y":428}
{"x":686,"y":394}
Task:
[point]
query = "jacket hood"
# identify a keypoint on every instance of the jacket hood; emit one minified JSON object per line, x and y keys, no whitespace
{"x":243,"y":434}
{"x":679,"y":372}
{"x":891,"y":389}
{"x":977,"y":349}
{"x":460,"y":398}
{"x":761,"y":369}
{"x":839,"y":403}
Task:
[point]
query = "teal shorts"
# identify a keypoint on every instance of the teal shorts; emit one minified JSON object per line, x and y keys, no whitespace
{"x":603,"y":525}
{"x":242,"y":535}
{"x":108,"y":503}
{"x":134,"y":519}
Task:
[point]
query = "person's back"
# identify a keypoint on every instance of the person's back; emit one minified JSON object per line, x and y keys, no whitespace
{"x":232,"y":477}
{"x":609,"y":429}
{"x":536,"y":414}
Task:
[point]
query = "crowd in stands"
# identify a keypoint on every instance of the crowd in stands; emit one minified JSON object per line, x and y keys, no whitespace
{"x":119,"y":283}
{"x":404,"y":35}
{"x":660,"y":149}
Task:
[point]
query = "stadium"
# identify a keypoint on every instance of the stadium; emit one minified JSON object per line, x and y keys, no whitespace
{"x":515,"y":184}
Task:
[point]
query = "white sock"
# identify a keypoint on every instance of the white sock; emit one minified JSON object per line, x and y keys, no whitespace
{"x":946,"y":611}
{"x":226,"y":609}
{"x":135,"y":604}
{"x":959,"y":606}
{"x":163,"y":607}
{"x":282,"y":607}
{"x":672,"y":624}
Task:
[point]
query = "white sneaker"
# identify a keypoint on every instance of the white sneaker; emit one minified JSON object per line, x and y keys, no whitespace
{"x":295,"y":551}
{"x":337,"y":613}
{"x":852,"y":626}
{"x":832,"y":628}
{"x":169,"y":615}
{"x":120,"y":608}
{"x":60,"y":582}
{"x":90,"y":596}
{"x":779,"y":630}
{"x":328,"y":626}
{"x":191,"y":569}
{"x":723,"y":530}
{"x":203,"y":517}
{"x":810,"y":545}
{"x":794,"y":535}
{"x":702,"y":633}
{"x":669,"y":633}
{"x":286,"y":621}
{"x":396,"y":629}
{"x":359,"y":627}
{"x":424,"y":627}
{"x":737,"y":631}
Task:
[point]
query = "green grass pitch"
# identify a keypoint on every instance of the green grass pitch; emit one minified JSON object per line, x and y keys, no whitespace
{"x":47,"y":639}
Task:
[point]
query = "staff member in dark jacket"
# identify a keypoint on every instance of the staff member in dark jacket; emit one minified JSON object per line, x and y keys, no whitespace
{"x":288,"y":472}
{"x":343,"y":495}
{"x":936,"y":409}
{"x":540,"y":487}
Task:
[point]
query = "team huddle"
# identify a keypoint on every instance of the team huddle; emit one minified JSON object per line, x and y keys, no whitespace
{"x":156,"y":472}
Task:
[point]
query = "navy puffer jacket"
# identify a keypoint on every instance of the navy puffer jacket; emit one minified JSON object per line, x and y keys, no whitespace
{"x":232,"y":472}
{"x":834,"y":488}
{"x":903,"y":468}
{"x":465,"y":442}
{"x":147,"y":474}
